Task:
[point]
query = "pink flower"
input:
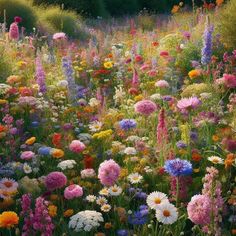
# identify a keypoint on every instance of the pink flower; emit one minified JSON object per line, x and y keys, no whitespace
{"x":27,"y":155}
{"x":188,"y":103}
{"x":73,"y":191}
{"x":17,"y":19}
{"x":76,"y":146}
{"x":229,"y":80}
{"x":55,"y":180}
{"x":164,"y":54}
{"x":59,"y":36}
{"x":199,"y":209}
{"x":14,"y":31}
{"x":145,"y":107}
{"x":108,"y":172}
{"x":87,"y":173}
{"x":162,"y":84}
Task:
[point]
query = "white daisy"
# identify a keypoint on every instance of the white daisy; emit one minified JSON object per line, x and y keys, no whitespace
{"x":8,"y":184}
{"x":115,"y":190}
{"x":167,"y":213}
{"x":105,"y":207}
{"x":130,"y":151}
{"x":91,"y":198}
{"x":104,"y":192}
{"x":135,"y":178}
{"x":215,"y":160}
{"x":101,"y":201}
{"x":27,"y":168}
{"x":67,"y":164}
{"x":95,"y":126}
{"x":93,"y":102}
{"x":155,"y":199}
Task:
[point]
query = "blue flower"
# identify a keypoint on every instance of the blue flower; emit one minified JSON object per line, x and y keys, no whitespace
{"x":137,"y":218}
{"x":181,"y":144}
{"x":127,"y":124}
{"x":178,"y":167}
{"x":44,"y":151}
{"x":122,"y":232}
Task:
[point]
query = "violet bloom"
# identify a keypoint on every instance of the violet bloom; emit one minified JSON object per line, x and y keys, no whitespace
{"x":40,"y":75}
{"x":188,"y":103}
{"x":55,"y":180}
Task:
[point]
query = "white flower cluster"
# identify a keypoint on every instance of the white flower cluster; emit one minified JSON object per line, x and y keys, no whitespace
{"x":85,"y":220}
{"x":67,"y":164}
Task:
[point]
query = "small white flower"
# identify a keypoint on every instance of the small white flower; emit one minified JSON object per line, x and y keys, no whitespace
{"x":27,"y":168}
{"x":135,"y":178}
{"x":130,"y":151}
{"x":105,"y":207}
{"x":215,"y":160}
{"x":95,"y":126}
{"x":93,"y":102}
{"x":91,"y":198}
{"x":104,"y":192}
{"x":155,"y":199}
{"x":115,"y":190}
{"x":167,"y":213}
{"x":101,"y":201}
{"x":67,"y":164}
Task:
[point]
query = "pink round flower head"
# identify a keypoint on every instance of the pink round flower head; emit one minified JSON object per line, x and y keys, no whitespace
{"x":55,"y":180}
{"x":76,"y":146}
{"x":108,"y":172}
{"x":59,"y":36}
{"x":14,"y":31}
{"x":164,"y":54}
{"x":162,"y":84}
{"x":17,"y":19}
{"x":145,"y":107}
{"x":73,"y":191}
{"x":188,"y":103}
{"x":27,"y":155}
{"x":229,"y":80}
{"x":199,"y":209}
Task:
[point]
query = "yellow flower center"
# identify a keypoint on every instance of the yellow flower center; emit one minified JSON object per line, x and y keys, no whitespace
{"x":157,"y":200}
{"x":166,"y":213}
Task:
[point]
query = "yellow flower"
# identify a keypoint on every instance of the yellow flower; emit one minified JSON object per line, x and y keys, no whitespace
{"x":194,"y":73}
{"x":143,"y":161}
{"x":52,"y":210}
{"x":68,"y":213}
{"x":196,"y":170}
{"x":215,"y":138}
{"x":3,"y":101}
{"x":30,"y":141}
{"x":103,"y":134}
{"x":8,"y":219}
{"x":57,"y":153}
{"x":138,"y":97}
{"x":83,"y":63}
{"x":108,"y":64}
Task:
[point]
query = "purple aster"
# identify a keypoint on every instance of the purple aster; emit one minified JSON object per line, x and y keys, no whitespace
{"x":127,"y":124}
{"x":181,"y":144}
{"x":137,"y":218}
{"x":178,"y":167}
{"x":122,"y":232}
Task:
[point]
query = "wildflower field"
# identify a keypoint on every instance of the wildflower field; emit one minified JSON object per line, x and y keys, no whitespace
{"x":130,"y":131}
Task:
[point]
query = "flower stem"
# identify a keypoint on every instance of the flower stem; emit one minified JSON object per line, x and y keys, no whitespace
{"x":177,"y":191}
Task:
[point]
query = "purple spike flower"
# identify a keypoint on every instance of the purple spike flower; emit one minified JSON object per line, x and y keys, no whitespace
{"x":40,"y":75}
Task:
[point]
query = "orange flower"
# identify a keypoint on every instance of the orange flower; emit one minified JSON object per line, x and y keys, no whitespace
{"x":56,"y":139}
{"x":68,"y":213}
{"x":108,"y":225}
{"x":52,"y":210}
{"x":215,"y":138}
{"x":57,"y":153}
{"x":196,"y":157}
{"x":194,"y":73}
{"x":175,"y":9}
{"x":8,"y":219}
{"x":30,"y":141}
{"x":219,"y":2}
{"x":2,"y":128}
{"x":155,"y":44}
{"x":229,"y":160}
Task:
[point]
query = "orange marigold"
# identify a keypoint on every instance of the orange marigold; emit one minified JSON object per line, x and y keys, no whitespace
{"x":8,"y":219}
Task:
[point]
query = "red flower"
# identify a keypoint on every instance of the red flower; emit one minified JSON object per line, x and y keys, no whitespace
{"x":56,"y":139}
{"x":88,"y":161}
{"x":17,"y":19}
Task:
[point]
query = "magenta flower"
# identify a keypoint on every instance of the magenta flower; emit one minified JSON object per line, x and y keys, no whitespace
{"x":145,"y":107}
{"x":76,"y":146}
{"x":27,"y":155}
{"x":188,"y":103}
{"x":229,"y":80}
{"x":59,"y":36}
{"x":55,"y":180}
{"x":73,"y":191}
{"x":14,"y":31}
{"x":108,"y":172}
{"x":199,"y":209}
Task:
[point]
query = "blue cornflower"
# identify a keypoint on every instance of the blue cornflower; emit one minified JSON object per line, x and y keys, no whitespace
{"x":127,"y":124}
{"x":178,"y":167}
{"x":137,"y":218}
{"x":122,"y":232}
{"x":44,"y":151}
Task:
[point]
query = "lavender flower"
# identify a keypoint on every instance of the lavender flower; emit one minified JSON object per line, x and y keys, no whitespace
{"x":127,"y":124}
{"x":207,"y":45}
{"x":40,"y":75}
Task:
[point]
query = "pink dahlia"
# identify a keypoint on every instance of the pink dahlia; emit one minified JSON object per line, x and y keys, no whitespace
{"x":73,"y":191}
{"x":229,"y":80}
{"x":145,"y":107}
{"x":188,"y":103}
{"x":27,"y":155}
{"x":14,"y":31}
{"x":199,"y":209}
{"x":55,"y":180}
{"x":76,"y":146}
{"x":162,"y":84}
{"x":108,"y":172}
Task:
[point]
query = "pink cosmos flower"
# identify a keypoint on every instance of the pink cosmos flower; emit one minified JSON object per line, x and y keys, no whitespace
{"x":73,"y":191}
{"x":108,"y":172}
{"x":27,"y":155}
{"x":162,"y":84}
{"x":199,"y":210}
{"x":145,"y":107}
{"x":76,"y":146}
{"x":188,"y":103}
{"x":59,"y":36}
{"x":55,"y":180}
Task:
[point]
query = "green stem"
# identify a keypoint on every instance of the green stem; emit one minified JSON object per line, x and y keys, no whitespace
{"x":177,"y":191}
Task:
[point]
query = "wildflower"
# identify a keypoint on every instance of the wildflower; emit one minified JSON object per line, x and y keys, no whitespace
{"x":188,"y":103}
{"x":27,"y":155}
{"x":95,"y":126}
{"x":167,"y":213}
{"x":40,"y":75}
{"x":215,"y":160}
{"x":178,"y":167}
{"x":162,"y":84}
{"x":103,"y":134}
{"x":108,"y":64}
{"x":198,"y":209}
{"x":76,"y":146}
{"x":122,"y":232}
{"x":68,"y":213}
{"x":145,"y":107}
{"x":8,"y":219}
{"x":87,"y":173}
{"x":52,"y":210}
{"x":67,"y":164}
{"x":55,"y":180}
{"x":175,"y":9}
{"x":108,"y":172}
{"x":27,"y":168}
{"x":44,"y":151}
{"x":105,"y":207}
{"x":57,"y":153}
{"x":137,"y":218}
{"x":115,"y":190}
{"x":155,"y":198}
{"x":130,"y":151}
{"x":135,"y":178}
{"x":59,"y":36}
{"x":194,"y":73}
{"x":85,"y":221}
{"x":30,"y":141}
{"x":73,"y":191}
{"x":9,"y":185}
{"x":91,"y":198}
{"x":14,"y":31}
{"x":127,"y":124}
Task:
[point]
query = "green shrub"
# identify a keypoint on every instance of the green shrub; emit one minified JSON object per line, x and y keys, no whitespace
{"x":5,"y":66}
{"x":226,"y":24}
{"x":56,"y":20}
{"x":18,"y":8}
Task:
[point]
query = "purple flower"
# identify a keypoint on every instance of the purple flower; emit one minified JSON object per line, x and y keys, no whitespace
{"x":188,"y":103}
{"x":40,"y":75}
{"x":55,"y":180}
{"x":127,"y":124}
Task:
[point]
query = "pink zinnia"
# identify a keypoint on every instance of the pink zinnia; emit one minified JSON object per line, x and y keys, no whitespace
{"x":76,"y":146}
{"x":14,"y":31}
{"x":162,"y":84}
{"x":27,"y":155}
{"x":108,"y":172}
{"x":73,"y":191}
{"x":55,"y":180}
{"x":188,"y":103}
{"x":199,"y":209}
{"x":145,"y":107}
